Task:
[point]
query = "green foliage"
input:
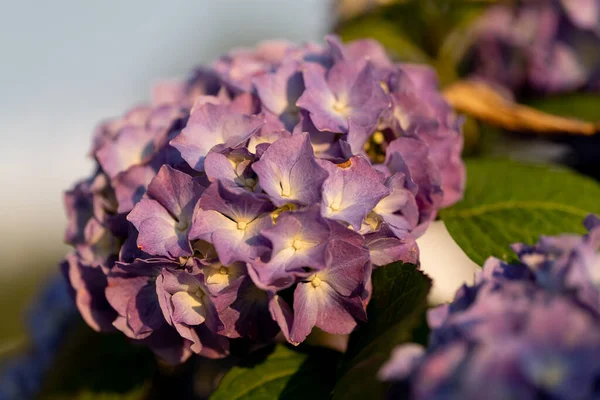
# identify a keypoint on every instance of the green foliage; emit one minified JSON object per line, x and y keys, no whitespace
{"x":389,"y":34}
{"x":507,"y":202}
{"x":135,"y":394}
{"x":96,"y":366}
{"x":396,"y":313}
{"x":585,"y":106}
{"x":281,"y":373}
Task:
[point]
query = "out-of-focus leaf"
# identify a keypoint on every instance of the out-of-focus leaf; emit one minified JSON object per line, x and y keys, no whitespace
{"x":508,"y":202}
{"x":583,"y":106}
{"x":483,"y":102}
{"x":92,"y":363}
{"x":400,"y":46}
{"x":347,"y":9}
{"x":135,"y":394}
{"x":395,"y":311}
{"x":459,"y":38}
{"x":471,"y":136}
{"x":282,"y":374}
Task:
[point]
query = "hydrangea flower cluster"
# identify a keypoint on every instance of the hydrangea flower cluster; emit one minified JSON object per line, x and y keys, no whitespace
{"x":544,"y":46}
{"x":256,"y":197}
{"x":522,"y":331}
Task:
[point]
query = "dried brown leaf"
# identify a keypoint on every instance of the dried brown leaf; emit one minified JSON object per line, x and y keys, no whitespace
{"x":483,"y":102}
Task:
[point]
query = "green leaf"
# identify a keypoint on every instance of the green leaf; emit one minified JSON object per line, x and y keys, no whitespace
{"x":508,"y":202}
{"x":393,"y":39}
{"x":135,"y":394}
{"x":582,"y":106}
{"x":91,"y":364}
{"x":282,"y":374}
{"x":395,"y":313}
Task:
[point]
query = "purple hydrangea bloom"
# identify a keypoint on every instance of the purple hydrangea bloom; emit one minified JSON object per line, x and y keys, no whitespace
{"x":288,"y":172}
{"x":257,"y":196}
{"x":348,"y":91}
{"x":164,"y":217}
{"x":331,"y":298}
{"x":539,"y":46}
{"x":522,"y":331}
{"x":351,"y":191}
{"x":213,"y":125}
{"x":232,"y":222}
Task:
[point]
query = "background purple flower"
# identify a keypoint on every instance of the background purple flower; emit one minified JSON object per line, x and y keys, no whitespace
{"x":523,"y":330}
{"x":540,"y":46}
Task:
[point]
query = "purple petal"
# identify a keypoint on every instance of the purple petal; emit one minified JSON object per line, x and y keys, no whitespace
{"x":272,"y":131}
{"x":88,"y":284}
{"x":176,"y":192}
{"x":244,"y":310}
{"x":306,"y":311}
{"x":133,"y":146}
{"x":336,"y":313}
{"x":365,"y":49}
{"x":282,"y":314}
{"x":320,"y":102}
{"x":288,"y":171}
{"x":131,"y":185}
{"x":79,"y":209}
{"x":211,"y":125}
{"x":159,"y":233}
{"x":414,"y":154}
{"x":299,"y":240}
{"x":249,"y":246}
{"x":348,"y":267}
{"x":385,"y":248}
{"x":351,"y":191}
{"x":188,"y":308}
{"x":232,"y":223}
{"x":217,"y":277}
{"x":399,"y":209}
{"x":279,"y":91}
{"x":349,"y":90}
{"x":403,"y":362}
{"x":232,"y":170}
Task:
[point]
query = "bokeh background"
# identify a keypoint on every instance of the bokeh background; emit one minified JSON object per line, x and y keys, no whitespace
{"x":67,"y":64}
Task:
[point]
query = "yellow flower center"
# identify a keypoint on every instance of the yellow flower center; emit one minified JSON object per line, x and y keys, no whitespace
{"x":316,"y":281}
{"x":341,"y":107}
{"x":378,"y":137}
{"x":241,"y":225}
